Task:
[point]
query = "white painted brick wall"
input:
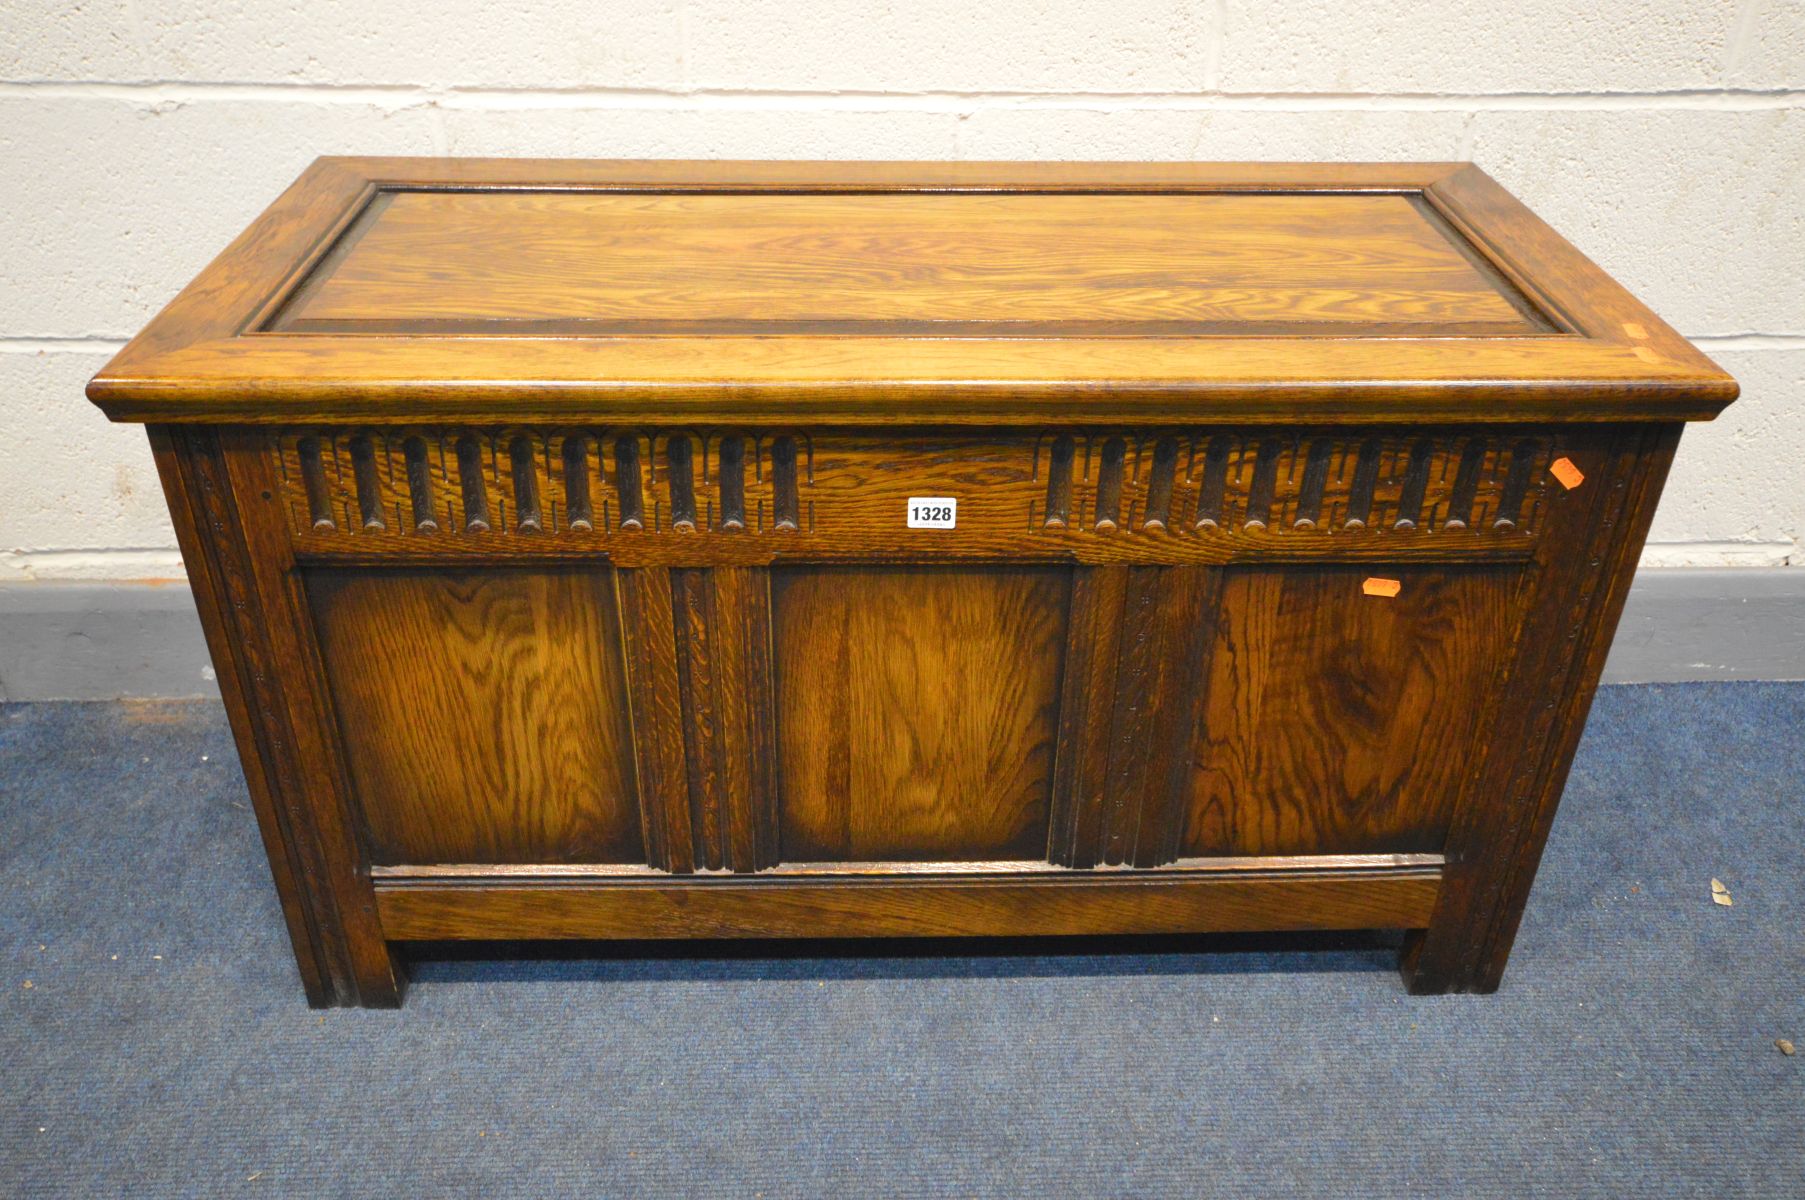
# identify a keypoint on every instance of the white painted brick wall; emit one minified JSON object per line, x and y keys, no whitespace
{"x":1538,"y":47}
{"x":1665,"y":137}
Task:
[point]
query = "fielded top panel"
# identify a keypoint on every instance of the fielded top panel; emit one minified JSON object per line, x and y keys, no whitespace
{"x":925,"y":264}
{"x":498,"y":290}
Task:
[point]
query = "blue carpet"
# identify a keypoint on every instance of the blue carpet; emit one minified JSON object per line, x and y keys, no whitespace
{"x":154,"y":1040}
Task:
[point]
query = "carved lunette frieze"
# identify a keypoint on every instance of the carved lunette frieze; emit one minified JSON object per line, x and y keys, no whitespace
{"x":1229,"y":489}
{"x":539,"y":482}
{"x":1318,"y":485}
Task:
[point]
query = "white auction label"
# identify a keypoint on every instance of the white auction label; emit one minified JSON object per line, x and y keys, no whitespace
{"x":933,"y":512}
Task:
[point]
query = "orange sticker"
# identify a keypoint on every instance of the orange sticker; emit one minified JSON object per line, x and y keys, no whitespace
{"x":1647,"y":355}
{"x":1634,"y":330}
{"x":1569,"y":475}
{"x":1377,"y":586}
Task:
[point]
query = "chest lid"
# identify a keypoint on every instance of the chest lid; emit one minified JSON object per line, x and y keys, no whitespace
{"x":410,"y":289}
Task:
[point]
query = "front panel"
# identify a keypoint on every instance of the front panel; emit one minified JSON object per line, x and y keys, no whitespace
{"x":917,"y":709}
{"x":695,"y":650}
{"x":701,"y":498}
{"x":482,"y":712}
{"x":1339,"y":715}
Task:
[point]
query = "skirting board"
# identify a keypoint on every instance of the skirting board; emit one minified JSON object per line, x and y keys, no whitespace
{"x":106,"y":641}
{"x":1684,"y":625}
{"x":102,"y":641}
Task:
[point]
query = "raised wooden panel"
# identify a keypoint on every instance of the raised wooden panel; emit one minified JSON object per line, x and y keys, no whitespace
{"x":576,"y":262}
{"x":917,"y":711}
{"x":483,"y":713}
{"x":1341,"y":722}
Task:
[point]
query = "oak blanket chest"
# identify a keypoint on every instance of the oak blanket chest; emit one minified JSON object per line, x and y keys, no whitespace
{"x":665,"y":550}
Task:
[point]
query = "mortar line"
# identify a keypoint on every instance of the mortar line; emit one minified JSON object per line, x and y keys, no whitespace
{"x":403,"y":95}
{"x":60,"y":345}
{"x":1748,"y":341}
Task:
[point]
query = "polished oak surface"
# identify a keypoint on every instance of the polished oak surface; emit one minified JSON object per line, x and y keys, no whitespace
{"x":976,"y":264}
{"x":557,"y":531}
{"x":917,"y":711}
{"x":1337,"y":721}
{"x":1329,"y":896}
{"x":483,"y":714}
{"x":389,"y":290}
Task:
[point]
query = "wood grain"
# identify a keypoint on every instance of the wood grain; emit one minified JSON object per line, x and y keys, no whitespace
{"x":574,"y":262}
{"x":655,"y":682}
{"x":547,"y":524}
{"x":981,"y":294}
{"x":1338,"y":722}
{"x":916,"y":711}
{"x":199,"y":507}
{"x":1165,"y":613}
{"x":725,"y":671}
{"x":483,"y":714}
{"x":293,"y":712}
{"x":1537,"y":711}
{"x":1199,"y":495}
{"x":916,"y":906}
